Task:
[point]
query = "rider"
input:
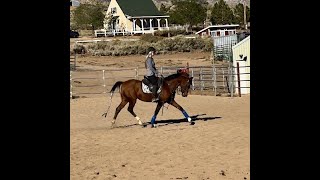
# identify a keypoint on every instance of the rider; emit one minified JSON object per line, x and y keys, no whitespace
{"x":152,"y":73}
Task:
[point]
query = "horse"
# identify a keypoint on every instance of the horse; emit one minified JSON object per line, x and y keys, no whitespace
{"x":131,"y":90}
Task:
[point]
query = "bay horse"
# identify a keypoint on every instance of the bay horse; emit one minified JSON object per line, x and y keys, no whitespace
{"x":131,"y":90}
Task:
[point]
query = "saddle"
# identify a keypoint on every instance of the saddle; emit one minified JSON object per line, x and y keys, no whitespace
{"x":147,"y":86}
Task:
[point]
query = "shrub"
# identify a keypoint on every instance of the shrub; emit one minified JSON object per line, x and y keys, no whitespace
{"x":150,"y":38}
{"x":172,"y":32}
{"x":79,"y":49}
{"x":165,"y":45}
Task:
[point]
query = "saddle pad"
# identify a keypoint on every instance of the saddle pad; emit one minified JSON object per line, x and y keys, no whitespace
{"x":146,"y":89}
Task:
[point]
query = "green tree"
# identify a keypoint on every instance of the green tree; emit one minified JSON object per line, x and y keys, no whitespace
{"x":164,"y":9}
{"x":187,"y":12}
{"x":221,"y":13}
{"x":238,"y":14}
{"x":89,"y":15}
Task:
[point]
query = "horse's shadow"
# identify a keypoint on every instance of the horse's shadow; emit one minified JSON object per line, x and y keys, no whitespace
{"x":175,"y":121}
{"x":194,"y":118}
{"x":183,"y":120}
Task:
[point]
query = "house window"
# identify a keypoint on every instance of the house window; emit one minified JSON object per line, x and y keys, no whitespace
{"x":218,"y":33}
{"x":226,"y":33}
{"x":113,"y":10}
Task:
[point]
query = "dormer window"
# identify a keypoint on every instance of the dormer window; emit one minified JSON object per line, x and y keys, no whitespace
{"x":113,"y":10}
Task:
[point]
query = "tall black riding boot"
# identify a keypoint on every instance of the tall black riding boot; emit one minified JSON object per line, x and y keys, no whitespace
{"x":154,"y":93}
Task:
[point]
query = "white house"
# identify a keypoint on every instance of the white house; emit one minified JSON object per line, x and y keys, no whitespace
{"x":135,"y":17}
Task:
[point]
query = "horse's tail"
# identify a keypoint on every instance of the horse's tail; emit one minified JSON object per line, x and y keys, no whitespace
{"x":115,"y":86}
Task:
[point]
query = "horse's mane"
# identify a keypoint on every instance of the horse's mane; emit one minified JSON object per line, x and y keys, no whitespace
{"x":173,"y":76}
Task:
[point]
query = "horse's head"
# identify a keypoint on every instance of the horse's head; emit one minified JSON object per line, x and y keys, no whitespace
{"x":185,"y":83}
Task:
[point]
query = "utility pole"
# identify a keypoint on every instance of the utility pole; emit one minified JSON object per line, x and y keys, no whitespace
{"x":208,"y":13}
{"x":244,"y":14}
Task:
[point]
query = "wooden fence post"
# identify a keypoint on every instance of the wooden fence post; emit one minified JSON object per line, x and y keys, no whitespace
{"x":201,"y":82}
{"x":104,"y":80}
{"x":137,"y":72}
{"x":75,"y":57}
{"x":223,"y":81}
{"x":214,"y":74}
{"x":192,"y":79}
{"x":71,"y":84}
{"x":232,"y":81}
{"x":238,"y":75}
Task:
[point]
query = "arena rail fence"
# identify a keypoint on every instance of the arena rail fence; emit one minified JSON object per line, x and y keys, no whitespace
{"x":216,"y":79}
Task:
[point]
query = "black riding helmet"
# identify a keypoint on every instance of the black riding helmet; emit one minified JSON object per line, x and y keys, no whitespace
{"x":151,"y":49}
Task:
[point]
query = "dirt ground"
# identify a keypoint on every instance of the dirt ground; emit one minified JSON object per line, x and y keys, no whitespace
{"x":217,"y":146}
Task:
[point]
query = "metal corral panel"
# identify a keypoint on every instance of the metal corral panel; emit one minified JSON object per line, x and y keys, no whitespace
{"x":242,"y":48}
{"x":75,"y":3}
{"x":222,"y":47}
{"x":225,"y":40}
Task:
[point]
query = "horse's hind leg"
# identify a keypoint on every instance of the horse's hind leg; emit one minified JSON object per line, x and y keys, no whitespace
{"x":132,"y":103}
{"x":118,"y":109}
{"x":175,"y":104}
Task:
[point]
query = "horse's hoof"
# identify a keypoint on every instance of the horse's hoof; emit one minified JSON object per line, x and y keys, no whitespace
{"x":113,"y":123}
{"x":153,"y":126}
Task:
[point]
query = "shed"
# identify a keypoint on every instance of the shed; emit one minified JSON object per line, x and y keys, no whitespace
{"x":241,"y":55}
{"x":218,"y":30}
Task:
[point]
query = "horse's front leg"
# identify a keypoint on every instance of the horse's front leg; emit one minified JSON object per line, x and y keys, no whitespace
{"x":175,"y":104}
{"x":153,"y":119}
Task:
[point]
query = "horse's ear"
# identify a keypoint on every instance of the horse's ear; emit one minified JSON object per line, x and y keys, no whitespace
{"x":179,"y":71}
{"x":190,"y":79}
